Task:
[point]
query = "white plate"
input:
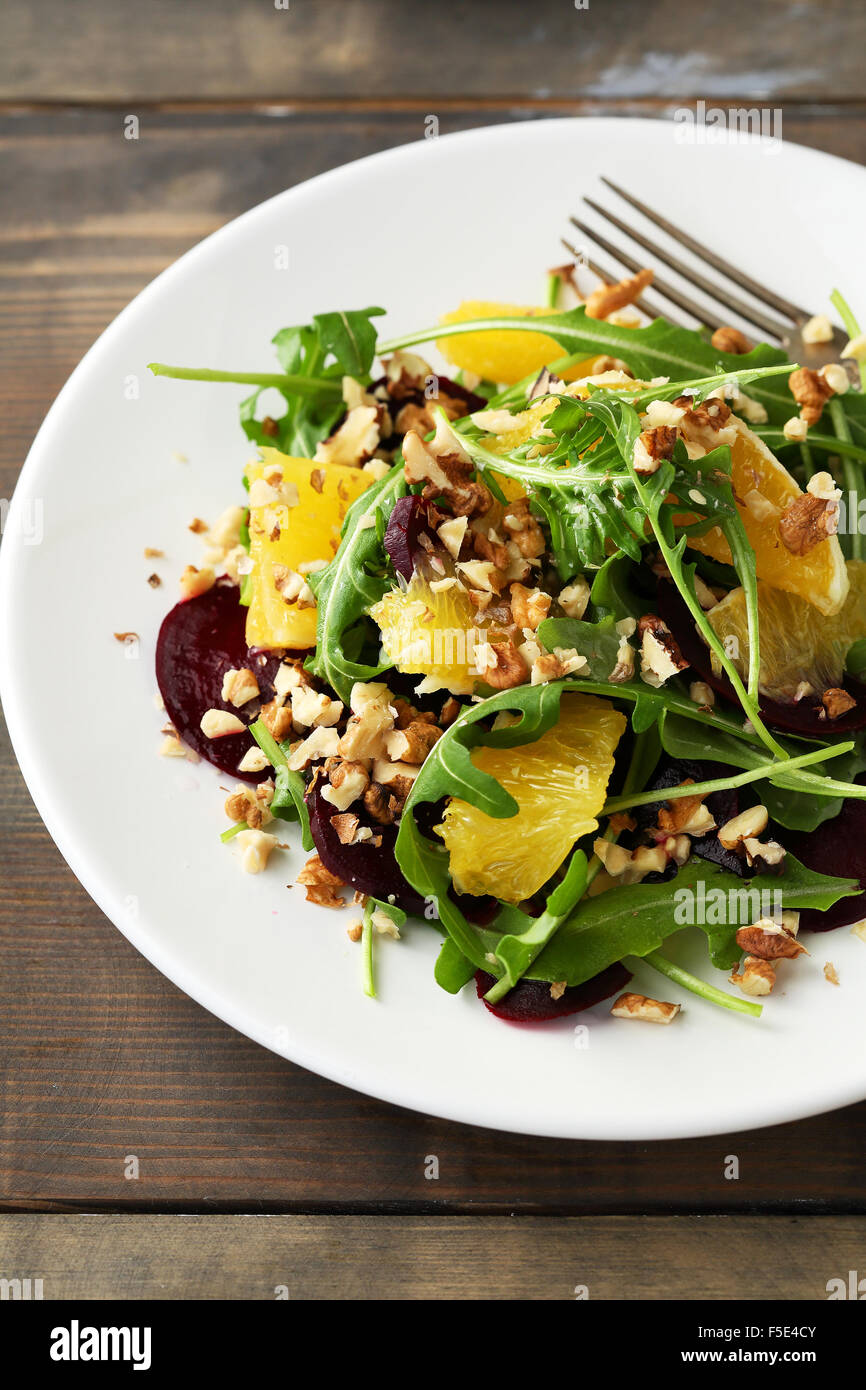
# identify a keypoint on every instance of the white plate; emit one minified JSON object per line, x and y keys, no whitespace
{"x":416,"y":229}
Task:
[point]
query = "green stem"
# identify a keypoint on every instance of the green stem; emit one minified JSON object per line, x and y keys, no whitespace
{"x":233,"y":830}
{"x":268,"y":744}
{"x":367,"y":950}
{"x":290,"y":385}
{"x":720,"y":784}
{"x":775,"y":440}
{"x":672,"y":556}
{"x":853,"y":479}
{"x":700,"y":987}
{"x":553,"y":284}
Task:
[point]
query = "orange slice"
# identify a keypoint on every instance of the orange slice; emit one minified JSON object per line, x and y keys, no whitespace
{"x":559,"y":783}
{"x":501,"y":355}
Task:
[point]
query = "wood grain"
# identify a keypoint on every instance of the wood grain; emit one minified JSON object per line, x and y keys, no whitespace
{"x":101,"y":1057}
{"x":380,"y":50}
{"x":408,"y":1257}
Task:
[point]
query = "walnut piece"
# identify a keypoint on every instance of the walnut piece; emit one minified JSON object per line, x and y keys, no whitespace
{"x":811,"y":391}
{"x":727,"y":339}
{"x":320,"y":883}
{"x":807,"y":521}
{"x":648,"y":1010}
{"x":608,"y":298}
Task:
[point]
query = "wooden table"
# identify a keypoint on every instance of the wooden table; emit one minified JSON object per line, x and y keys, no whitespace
{"x":101,"y":1056}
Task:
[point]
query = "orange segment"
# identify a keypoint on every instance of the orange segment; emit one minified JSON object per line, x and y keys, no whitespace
{"x":502,"y":355}
{"x":819,"y":576}
{"x":433,"y":633}
{"x":798,"y":643}
{"x":559,"y":783}
{"x":299,"y":526}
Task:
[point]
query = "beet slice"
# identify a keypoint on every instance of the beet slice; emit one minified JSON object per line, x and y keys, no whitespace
{"x":531,"y":1002}
{"x":198,"y":641}
{"x":406,"y":526}
{"x":369,"y":868}
{"x":804,"y":718}
{"x":837,"y":847}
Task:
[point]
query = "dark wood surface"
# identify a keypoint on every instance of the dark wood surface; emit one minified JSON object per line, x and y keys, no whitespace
{"x":100,"y":1056}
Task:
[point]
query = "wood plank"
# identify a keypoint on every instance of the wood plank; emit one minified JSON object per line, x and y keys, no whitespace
{"x":365,"y":1258}
{"x":100,"y":1057}
{"x":158,"y":49}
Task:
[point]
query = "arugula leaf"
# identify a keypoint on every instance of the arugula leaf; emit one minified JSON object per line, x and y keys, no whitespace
{"x":288,"y":800}
{"x":349,"y":586}
{"x":516,"y":952}
{"x":597,"y":642}
{"x":635,"y":920}
{"x":349,"y":338}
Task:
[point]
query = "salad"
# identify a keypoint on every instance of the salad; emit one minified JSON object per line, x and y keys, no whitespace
{"x":557,"y":656}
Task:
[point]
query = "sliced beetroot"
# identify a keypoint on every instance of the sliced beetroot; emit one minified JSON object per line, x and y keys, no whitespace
{"x":407,"y":534}
{"x":200,"y":639}
{"x":805,"y":717}
{"x":837,"y":847}
{"x":531,"y":1001}
{"x":367,"y":867}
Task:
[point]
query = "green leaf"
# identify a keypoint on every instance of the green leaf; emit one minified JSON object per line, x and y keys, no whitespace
{"x":349,"y":586}
{"x":515,"y":953}
{"x":636,"y":920}
{"x":597,"y":642}
{"x":349,"y":338}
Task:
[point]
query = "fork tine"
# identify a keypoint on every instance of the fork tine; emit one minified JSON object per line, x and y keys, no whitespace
{"x":610,"y":277}
{"x":769,"y":297}
{"x":722,"y":296}
{"x":704,"y":316}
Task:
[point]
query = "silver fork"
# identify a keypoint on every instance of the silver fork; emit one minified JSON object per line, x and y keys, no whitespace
{"x":769,"y":329}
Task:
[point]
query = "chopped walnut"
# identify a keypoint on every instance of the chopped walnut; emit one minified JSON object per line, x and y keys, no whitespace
{"x":320,"y":743}
{"x":380,"y":804}
{"x":648,"y":1010}
{"x":807,"y":521}
{"x":758,"y":976}
{"x":817,"y":329}
{"x":608,"y":298}
{"x":830,"y":974}
{"x":686,"y":815}
{"x":501,"y":666}
{"x":483,"y":575}
{"x":320,"y":883}
{"x":254,"y":760}
{"x":652,"y":447}
{"x":772,"y":852}
{"x":355,"y":440}
{"x":574,"y":598}
{"x":661,"y":657}
{"x":314,"y":708}
{"x":837,"y":702}
{"x":347,"y":781}
{"x":355,"y":931}
{"x":770,"y":940}
{"x":445,"y":468}
{"x":702,"y":695}
{"x":256,"y":847}
{"x":365,"y":732}
{"x":558,"y":988}
{"x":529,"y":606}
{"x":412,"y":743}
{"x":277,"y":718}
{"x":345,"y":824}
{"x":219,"y":723}
{"x":525,"y":530}
{"x":747,"y":824}
{"x":194,"y":582}
{"x":239,"y":686}
{"x":811,"y":391}
{"x":727,"y":339}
